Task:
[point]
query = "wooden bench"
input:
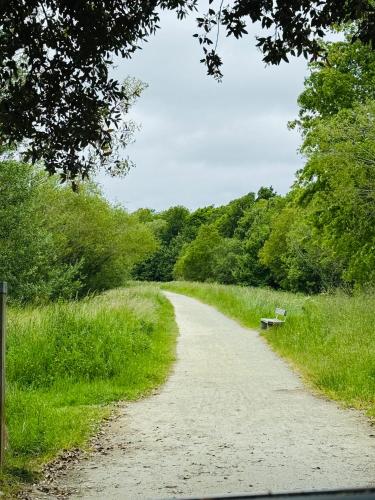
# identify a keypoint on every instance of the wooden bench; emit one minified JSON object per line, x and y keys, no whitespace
{"x":280,"y":314}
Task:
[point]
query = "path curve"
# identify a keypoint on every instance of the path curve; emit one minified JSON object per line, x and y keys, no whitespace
{"x":232,"y":418}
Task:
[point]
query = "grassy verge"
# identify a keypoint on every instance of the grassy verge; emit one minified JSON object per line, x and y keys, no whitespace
{"x":66,"y":362}
{"x":329,"y":338}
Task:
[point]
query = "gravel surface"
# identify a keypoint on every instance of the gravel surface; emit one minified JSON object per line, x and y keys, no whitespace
{"x":232,"y":418}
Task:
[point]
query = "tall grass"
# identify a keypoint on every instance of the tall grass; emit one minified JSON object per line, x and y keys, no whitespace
{"x":67,"y":361}
{"x":330,"y":338}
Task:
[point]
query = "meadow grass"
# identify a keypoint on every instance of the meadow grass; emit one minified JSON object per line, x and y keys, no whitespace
{"x":67,"y":361}
{"x":329,"y":338}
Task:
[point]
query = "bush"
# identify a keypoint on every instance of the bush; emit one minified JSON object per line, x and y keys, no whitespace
{"x":55,"y":243}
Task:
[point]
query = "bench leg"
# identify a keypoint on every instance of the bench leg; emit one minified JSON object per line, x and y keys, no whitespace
{"x":263,"y":325}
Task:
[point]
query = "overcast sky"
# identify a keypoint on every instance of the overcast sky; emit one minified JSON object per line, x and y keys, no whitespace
{"x":201,"y":142}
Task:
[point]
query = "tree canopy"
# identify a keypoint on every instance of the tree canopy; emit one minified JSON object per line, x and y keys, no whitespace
{"x":57,"y":244}
{"x":57,"y":96}
{"x":346,"y":78}
{"x":321,"y":234}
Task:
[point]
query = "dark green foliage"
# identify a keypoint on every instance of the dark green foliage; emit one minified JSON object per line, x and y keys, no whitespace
{"x":227,"y":223}
{"x":175,"y":220}
{"x":159,"y":266}
{"x":174,"y":228}
{"x":226,"y":249}
{"x":226,"y":261}
{"x":254,"y":229}
{"x":196,"y":219}
{"x":168,"y":227}
{"x":294,"y":27}
{"x":57,"y":92}
{"x":265,"y":193}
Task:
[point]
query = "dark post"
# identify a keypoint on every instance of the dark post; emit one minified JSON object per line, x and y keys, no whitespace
{"x":3,"y":298}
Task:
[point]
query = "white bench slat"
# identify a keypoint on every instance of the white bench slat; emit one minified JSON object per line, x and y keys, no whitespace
{"x":265,"y":322}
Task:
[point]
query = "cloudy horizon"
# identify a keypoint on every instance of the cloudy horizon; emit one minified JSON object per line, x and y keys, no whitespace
{"x":204,"y":143}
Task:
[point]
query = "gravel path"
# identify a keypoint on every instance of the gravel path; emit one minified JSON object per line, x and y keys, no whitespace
{"x":232,"y":418}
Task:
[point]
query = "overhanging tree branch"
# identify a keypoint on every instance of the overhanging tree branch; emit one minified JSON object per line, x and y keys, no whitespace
{"x":56,"y":93}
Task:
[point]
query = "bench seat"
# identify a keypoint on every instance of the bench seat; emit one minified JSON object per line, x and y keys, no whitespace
{"x":266,"y":322}
{"x":271,"y":321}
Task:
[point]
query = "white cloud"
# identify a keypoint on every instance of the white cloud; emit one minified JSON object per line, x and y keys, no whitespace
{"x":202,"y":142}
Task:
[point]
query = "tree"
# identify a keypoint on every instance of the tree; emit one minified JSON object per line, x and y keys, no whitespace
{"x":338,"y":187}
{"x":55,"y":243}
{"x":295,"y":27}
{"x":175,"y":218}
{"x":196,"y":219}
{"x":347,"y":77}
{"x":253,"y":230}
{"x":31,"y":260}
{"x":104,"y":240}
{"x":232,"y":214}
{"x":295,"y":254}
{"x":57,"y":94}
{"x":324,"y":236}
{"x":168,"y":227}
{"x":225,"y":261}
{"x":197,"y":259}
{"x":266,"y":193}
{"x":275,"y":250}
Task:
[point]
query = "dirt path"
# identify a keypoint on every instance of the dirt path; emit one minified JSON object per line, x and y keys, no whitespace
{"x":232,"y":418}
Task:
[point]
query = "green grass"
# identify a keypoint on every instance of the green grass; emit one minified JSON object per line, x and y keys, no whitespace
{"x":329,"y":338}
{"x":66,"y":362}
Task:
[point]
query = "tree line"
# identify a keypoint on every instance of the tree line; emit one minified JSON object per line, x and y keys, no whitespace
{"x":321,"y":234}
{"x":56,"y":243}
